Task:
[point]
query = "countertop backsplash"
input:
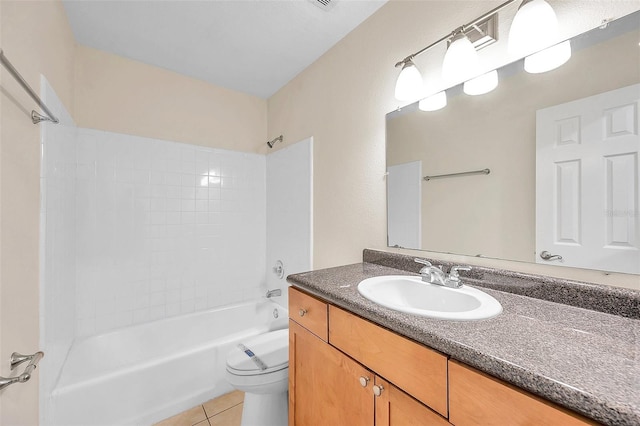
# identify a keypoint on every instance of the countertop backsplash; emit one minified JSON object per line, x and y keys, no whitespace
{"x":596,"y":297}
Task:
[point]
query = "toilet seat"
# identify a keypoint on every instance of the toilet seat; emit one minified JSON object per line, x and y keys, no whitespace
{"x":263,"y":354}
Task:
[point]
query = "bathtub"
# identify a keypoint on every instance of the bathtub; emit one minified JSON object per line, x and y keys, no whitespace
{"x":145,"y":373}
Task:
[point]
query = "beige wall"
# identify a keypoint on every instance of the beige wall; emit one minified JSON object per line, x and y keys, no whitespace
{"x":494,"y":215}
{"x":120,"y":95}
{"x":341,"y":100}
{"x":37,"y":39}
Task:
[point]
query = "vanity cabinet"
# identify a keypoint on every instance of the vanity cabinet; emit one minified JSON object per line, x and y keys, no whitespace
{"x":500,"y":403}
{"x":328,"y":386}
{"x":395,"y":408}
{"x":418,"y":370}
{"x":324,"y":384}
{"x":309,"y":312}
{"x":344,"y":370}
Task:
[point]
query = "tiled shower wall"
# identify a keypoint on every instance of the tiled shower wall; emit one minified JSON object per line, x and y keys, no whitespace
{"x":57,"y":245}
{"x":164,"y":229}
{"x":289,"y":211}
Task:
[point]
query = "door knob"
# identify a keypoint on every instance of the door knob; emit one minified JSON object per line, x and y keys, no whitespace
{"x":364,"y":381}
{"x":302,"y":312}
{"x":377,"y":390}
{"x":545,"y":255}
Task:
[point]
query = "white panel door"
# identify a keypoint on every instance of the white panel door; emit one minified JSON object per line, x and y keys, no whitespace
{"x":587,"y":183}
{"x":404,"y":205}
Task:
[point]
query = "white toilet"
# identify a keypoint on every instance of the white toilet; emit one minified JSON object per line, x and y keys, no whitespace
{"x":259,"y":367}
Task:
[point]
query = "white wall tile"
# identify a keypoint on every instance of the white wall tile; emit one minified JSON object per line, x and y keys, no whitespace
{"x":289,"y":212}
{"x":58,"y":311}
{"x":151,"y":222}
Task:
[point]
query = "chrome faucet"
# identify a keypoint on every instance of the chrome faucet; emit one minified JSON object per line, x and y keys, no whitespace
{"x":275,"y":292}
{"x":435,"y":275}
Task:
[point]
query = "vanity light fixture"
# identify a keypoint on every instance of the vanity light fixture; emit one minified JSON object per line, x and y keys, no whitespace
{"x":461,"y":60}
{"x":548,"y":59}
{"x":533,"y":34}
{"x":461,"y":63}
{"x":434,"y":102}
{"x":482,"y":84}
{"x":409,"y":84}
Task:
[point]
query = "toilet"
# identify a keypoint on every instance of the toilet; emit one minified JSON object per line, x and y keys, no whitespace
{"x":259,"y":366}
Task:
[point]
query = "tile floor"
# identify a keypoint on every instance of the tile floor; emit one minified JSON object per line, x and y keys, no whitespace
{"x":225,"y":410}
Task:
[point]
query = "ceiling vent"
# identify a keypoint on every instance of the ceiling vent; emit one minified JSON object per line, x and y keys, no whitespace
{"x":324,"y":4}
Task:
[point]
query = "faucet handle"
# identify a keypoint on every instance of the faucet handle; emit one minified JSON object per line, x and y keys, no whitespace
{"x":453,"y":273}
{"x":425,"y":271}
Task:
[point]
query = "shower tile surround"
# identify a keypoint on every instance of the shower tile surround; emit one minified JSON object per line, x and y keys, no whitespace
{"x":162,"y":228}
{"x":136,"y":229}
{"x":580,"y":358}
{"x":57,"y":230}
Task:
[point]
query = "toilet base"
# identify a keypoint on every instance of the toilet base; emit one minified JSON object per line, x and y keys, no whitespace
{"x":265,"y":409}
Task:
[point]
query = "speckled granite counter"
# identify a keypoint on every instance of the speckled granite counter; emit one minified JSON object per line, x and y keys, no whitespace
{"x":581,"y":359}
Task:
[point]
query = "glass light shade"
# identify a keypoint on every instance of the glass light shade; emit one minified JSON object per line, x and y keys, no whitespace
{"x":434,"y":102}
{"x":482,"y":84}
{"x":548,"y":59}
{"x":409,"y":83}
{"x":461,"y":61}
{"x":535,"y":27}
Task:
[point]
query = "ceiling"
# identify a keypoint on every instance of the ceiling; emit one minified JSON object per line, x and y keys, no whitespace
{"x":251,"y":46}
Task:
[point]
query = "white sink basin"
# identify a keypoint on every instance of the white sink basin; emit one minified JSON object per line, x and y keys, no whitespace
{"x":414,"y":296}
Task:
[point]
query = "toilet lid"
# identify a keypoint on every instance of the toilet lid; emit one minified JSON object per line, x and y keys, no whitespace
{"x":261,"y":354}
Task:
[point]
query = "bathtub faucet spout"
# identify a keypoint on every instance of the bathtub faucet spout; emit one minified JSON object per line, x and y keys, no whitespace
{"x":272,"y":293}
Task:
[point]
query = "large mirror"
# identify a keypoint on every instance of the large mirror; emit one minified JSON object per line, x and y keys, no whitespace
{"x":554,"y":158}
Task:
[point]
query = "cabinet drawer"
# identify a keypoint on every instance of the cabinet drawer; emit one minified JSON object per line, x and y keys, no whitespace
{"x":416,"y":369}
{"x":309,"y":312}
{"x":478,"y":399}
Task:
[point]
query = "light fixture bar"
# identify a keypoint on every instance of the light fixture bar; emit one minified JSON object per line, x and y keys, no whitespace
{"x":424,"y":49}
{"x":463,"y":28}
{"x":484,"y":33}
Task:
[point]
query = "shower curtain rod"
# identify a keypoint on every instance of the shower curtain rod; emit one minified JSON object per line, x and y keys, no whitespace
{"x":36,"y":117}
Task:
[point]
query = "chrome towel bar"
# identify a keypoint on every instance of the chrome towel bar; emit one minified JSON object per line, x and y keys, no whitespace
{"x":36,"y":117}
{"x":16,"y":360}
{"x":475,"y":172}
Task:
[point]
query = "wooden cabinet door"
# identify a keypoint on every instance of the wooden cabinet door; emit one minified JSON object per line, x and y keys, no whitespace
{"x":396,"y":408}
{"x":324,"y":384}
{"x":418,"y":370}
{"x":477,"y":399}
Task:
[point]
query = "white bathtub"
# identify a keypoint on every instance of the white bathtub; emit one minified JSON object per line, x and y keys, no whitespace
{"x":148,"y":372}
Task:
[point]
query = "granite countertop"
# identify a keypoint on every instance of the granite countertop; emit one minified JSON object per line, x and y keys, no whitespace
{"x":581,"y":359}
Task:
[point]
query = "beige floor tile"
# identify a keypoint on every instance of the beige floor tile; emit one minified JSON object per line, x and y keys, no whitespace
{"x":230,"y":417}
{"x":223,"y":402}
{"x":203,"y":423}
{"x":186,"y":418}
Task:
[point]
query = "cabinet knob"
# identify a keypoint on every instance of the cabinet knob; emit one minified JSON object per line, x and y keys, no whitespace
{"x":377,"y":390}
{"x":364,"y":381}
{"x":302,"y":312}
